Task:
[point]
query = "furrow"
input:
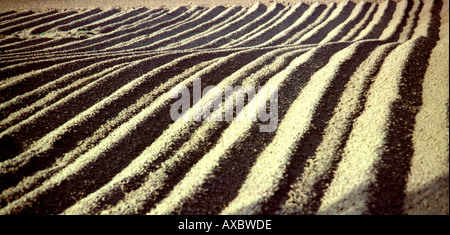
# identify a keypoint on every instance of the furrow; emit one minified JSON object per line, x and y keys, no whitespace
{"x":203,"y":138}
{"x":349,"y":190}
{"x":356,"y":17}
{"x":308,"y":174}
{"x":280,"y":11}
{"x":103,"y":44}
{"x":303,"y":21}
{"x":33,"y":23}
{"x":116,"y":19}
{"x":227,"y":28}
{"x":269,"y":14}
{"x":200,"y":181}
{"x":380,"y":21}
{"x":13,"y":16}
{"x":427,"y":189}
{"x":124,"y":112}
{"x":94,"y":18}
{"x":271,"y":165}
{"x":288,"y":19}
{"x":325,"y":12}
{"x":387,"y":196}
{"x":198,"y":12}
{"x":354,"y":32}
{"x":203,"y":21}
{"x":118,"y":34}
{"x":140,"y":127}
{"x":45,"y":27}
{"x":399,"y":19}
{"x":23,"y":106}
{"x":339,"y":15}
{"x":29,"y":16}
{"x":411,"y":24}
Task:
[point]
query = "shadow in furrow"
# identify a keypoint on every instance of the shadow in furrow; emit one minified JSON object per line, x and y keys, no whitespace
{"x":388,"y":193}
{"x":322,"y":33}
{"x":226,"y":180}
{"x":308,"y":144}
{"x":31,"y":24}
{"x":369,"y":19}
{"x":39,"y":93}
{"x":96,"y":17}
{"x":352,"y":24}
{"x":44,"y":28}
{"x":111,"y":162}
{"x":116,"y":19}
{"x":402,"y":24}
{"x":184,"y":165}
{"x":311,"y":19}
{"x":386,"y":18}
{"x":7,"y":15}
{"x":26,"y":18}
{"x":70,"y":139}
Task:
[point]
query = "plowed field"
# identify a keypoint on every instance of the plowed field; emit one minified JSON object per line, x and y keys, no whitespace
{"x":85,"y":99}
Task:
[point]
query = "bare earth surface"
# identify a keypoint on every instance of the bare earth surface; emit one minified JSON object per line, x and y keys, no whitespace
{"x":86,"y":90}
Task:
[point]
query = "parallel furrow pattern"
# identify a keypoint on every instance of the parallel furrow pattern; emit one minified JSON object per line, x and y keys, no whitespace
{"x":86,"y":99}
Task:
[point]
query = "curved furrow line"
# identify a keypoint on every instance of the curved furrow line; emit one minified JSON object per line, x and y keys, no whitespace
{"x":57,"y":114}
{"x":270,"y":166}
{"x":64,"y":46}
{"x":123,"y":15}
{"x":269,"y":13}
{"x":288,"y":19}
{"x":380,"y":21}
{"x":93,"y":133}
{"x":23,"y":106}
{"x":33,"y":23}
{"x":21,"y":77}
{"x":141,"y":127}
{"x":47,"y":26}
{"x":356,"y":17}
{"x":132,"y":21}
{"x":429,"y":171}
{"x":17,"y":43}
{"x":203,"y":29}
{"x":326,"y":11}
{"x":206,"y":19}
{"x":106,"y":29}
{"x":223,"y":29}
{"x":280,"y":12}
{"x":5,"y":13}
{"x":211,"y":32}
{"x":199,"y":181}
{"x":424,"y":27}
{"x":23,"y":18}
{"x":70,"y":109}
{"x":339,"y":15}
{"x":354,"y":32}
{"x":393,"y":168}
{"x":25,"y":77}
{"x":349,"y":191}
{"x":173,"y":28}
{"x":13,"y":15}
{"x":107,"y":41}
{"x":8,"y":40}
{"x":94,"y":18}
{"x":312,"y":167}
{"x":399,"y":19}
{"x":412,"y":21}
{"x":308,"y":17}
{"x":143,"y":169}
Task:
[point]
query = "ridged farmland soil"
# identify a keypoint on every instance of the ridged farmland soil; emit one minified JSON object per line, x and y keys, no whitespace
{"x":86,"y":94}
